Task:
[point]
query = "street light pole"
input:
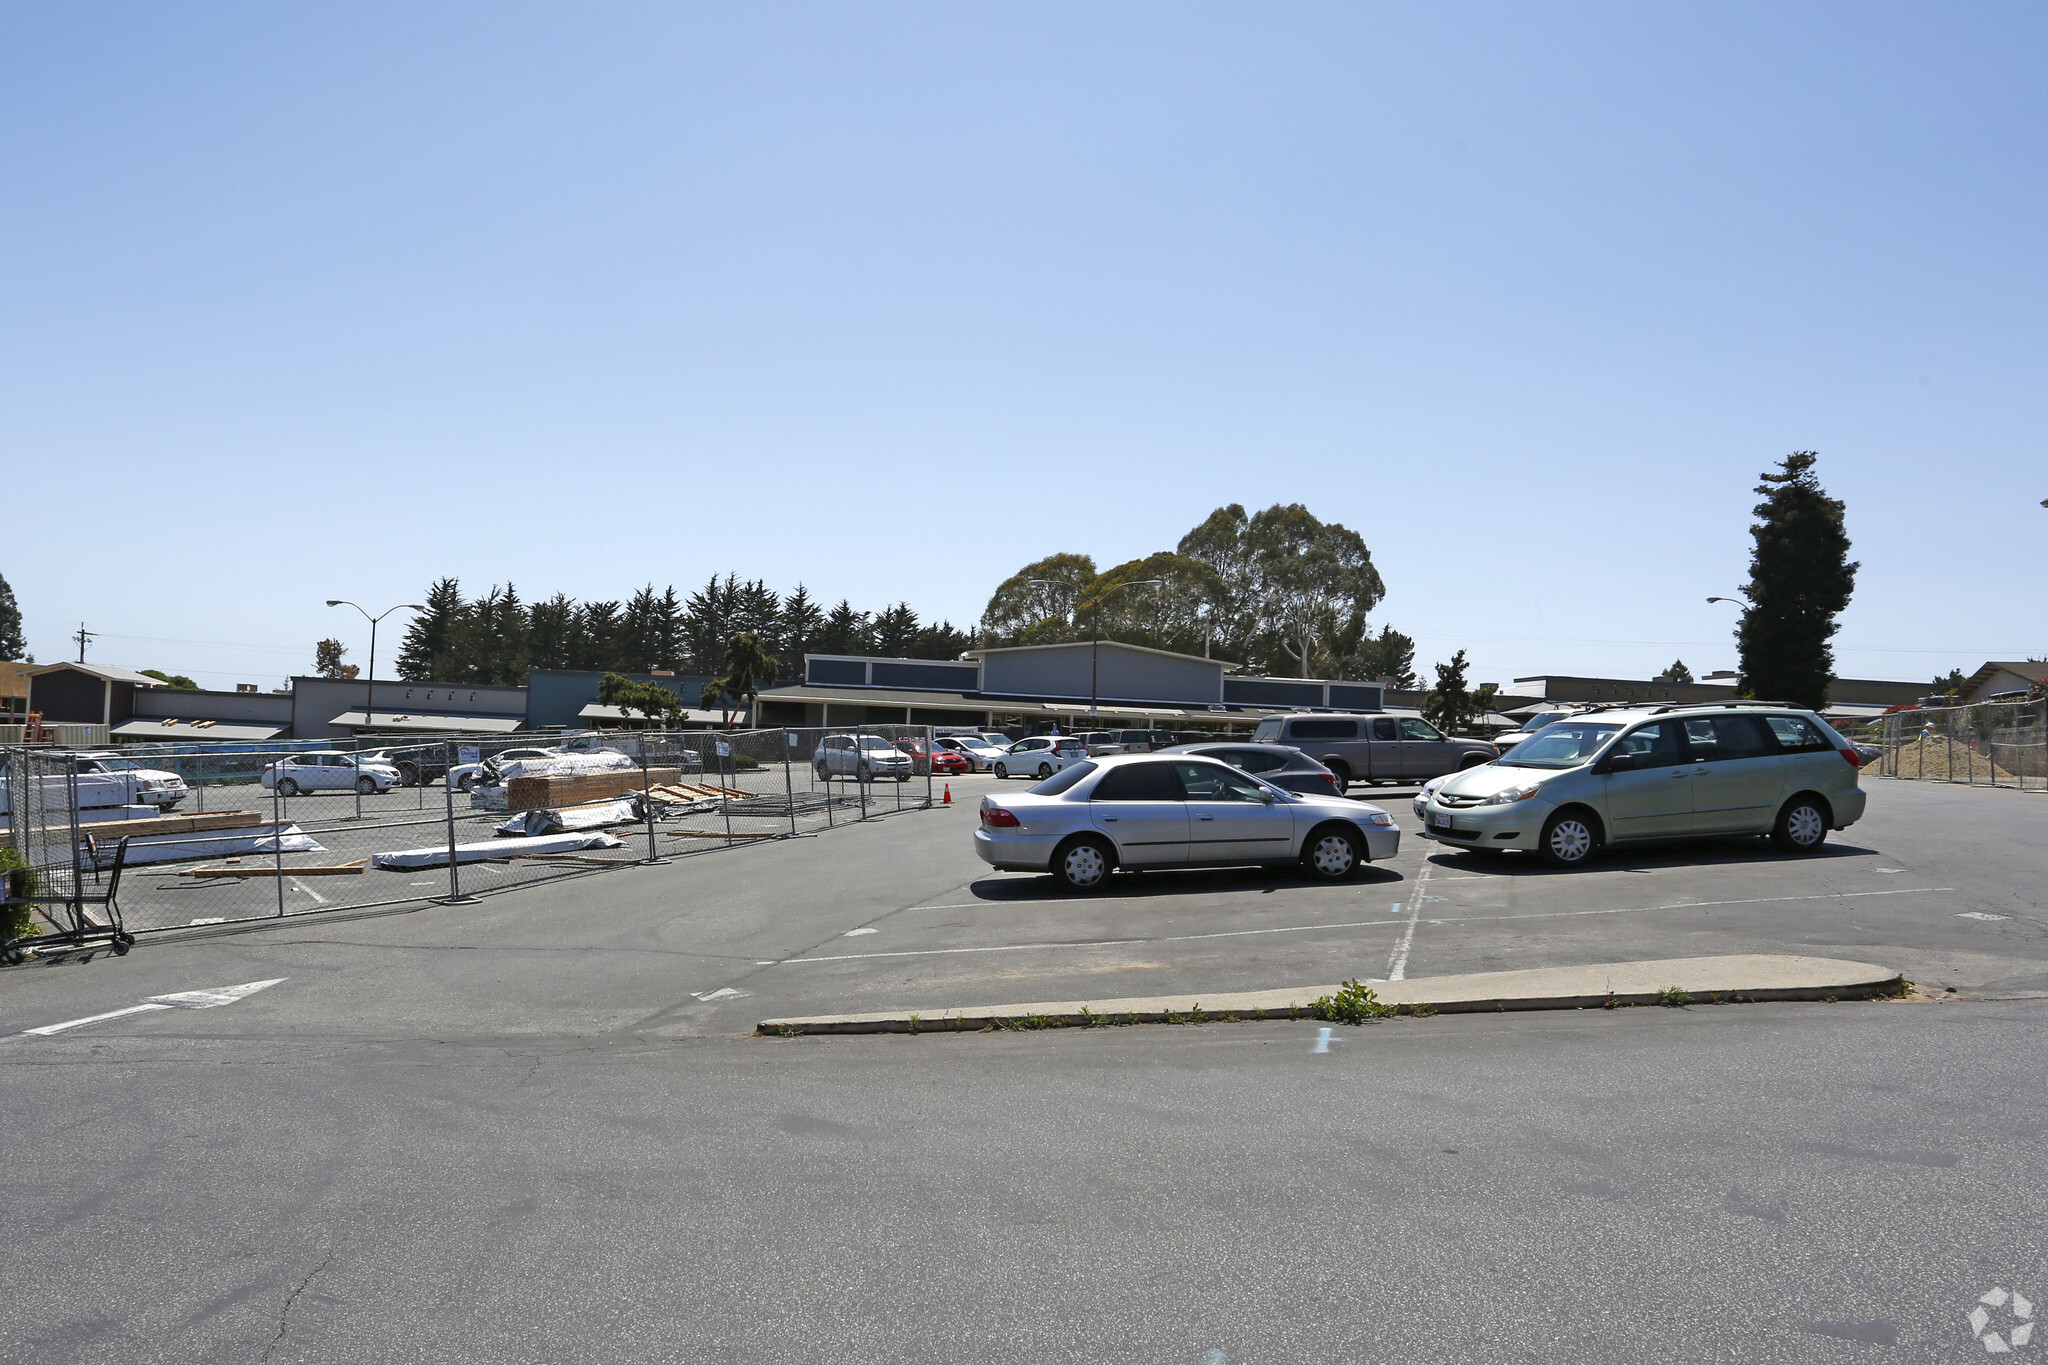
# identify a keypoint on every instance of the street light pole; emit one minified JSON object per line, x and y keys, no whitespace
{"x":370,"y":700}
{"x":1095,"y":633}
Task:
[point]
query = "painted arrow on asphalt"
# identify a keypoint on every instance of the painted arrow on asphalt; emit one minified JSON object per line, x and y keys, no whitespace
{"x":212,"y":998}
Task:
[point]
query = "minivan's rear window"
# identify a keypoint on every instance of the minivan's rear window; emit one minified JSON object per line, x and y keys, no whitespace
{"x":1324,"y":729}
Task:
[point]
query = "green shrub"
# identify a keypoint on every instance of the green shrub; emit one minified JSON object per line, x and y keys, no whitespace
{"x":1352,"y":1004}
{"x":22,"y":880}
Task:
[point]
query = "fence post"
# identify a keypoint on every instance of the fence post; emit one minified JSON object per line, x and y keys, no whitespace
{"x":277,"y":829}
{"x":861,"y":776}
{"x":77,"y":843}
{"x":455,"y":896}
{"x":789,"y":778}
{"x":653,"y":858}
{"x":723,"y":749}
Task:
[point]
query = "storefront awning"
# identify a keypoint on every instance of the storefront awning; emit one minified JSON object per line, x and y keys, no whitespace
{"x":413,"y":720}
{"x":194,"y":729}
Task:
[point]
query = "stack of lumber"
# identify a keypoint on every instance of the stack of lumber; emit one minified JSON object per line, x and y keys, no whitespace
{"x":109,"y":831}
{"x":693,"y":791}
{"x":548,"y":793}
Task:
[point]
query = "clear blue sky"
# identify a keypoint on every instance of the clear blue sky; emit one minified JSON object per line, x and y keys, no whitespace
{"x":888,"y":299}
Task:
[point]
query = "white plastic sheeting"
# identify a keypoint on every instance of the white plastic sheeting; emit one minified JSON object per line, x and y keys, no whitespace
{"x":595,"y":815}
{"x":170,"y":848}
{"x":495,"y":848}
{"x":566,"y":765}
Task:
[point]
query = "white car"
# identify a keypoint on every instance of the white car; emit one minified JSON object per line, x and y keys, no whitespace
{"x":864,"y":757}
{"x":974,"y":749}
{"x":152,"y":786}
{"x":328,"y":771}
{"x":1041,"y":755}
{"x":464,"y":776}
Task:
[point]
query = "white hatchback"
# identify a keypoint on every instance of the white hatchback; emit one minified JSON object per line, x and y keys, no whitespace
{"x":1041,"y":755}
{"x":314,"y":772}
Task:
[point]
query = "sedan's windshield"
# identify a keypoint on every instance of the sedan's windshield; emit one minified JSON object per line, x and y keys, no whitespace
{"x":1562,"y":744}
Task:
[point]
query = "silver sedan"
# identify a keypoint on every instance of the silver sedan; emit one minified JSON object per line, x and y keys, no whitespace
{"x":1153,"y":811}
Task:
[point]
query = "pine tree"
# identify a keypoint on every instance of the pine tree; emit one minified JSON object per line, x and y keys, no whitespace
{"x":1800,"y":579}
{"x":641,"y":632}
{"x":1677,"y":673}
{"x":707,"y":622}
{"x":13,"y":645}
{"x":1389,"y":655}
{"x":845,"y":631}
{"x":798,"y":629}
{"x":551,"y":633}
{"x":429,"y":647}
{"x":597,"y":636}
{"x":894,"y":630}
{"x":1449,"y":704}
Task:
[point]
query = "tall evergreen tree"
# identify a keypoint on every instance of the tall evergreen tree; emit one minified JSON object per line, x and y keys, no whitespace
{"x":490,"y":643}
{"x":1449,"y":703}
{"x":1800,"y":579}
{"x":1389,"y":655}
{"x":941,"y":641}
{"x":429,"y":651}
{"x":707,"y":621}
{"x":551,"y":633}
{"x":641,"y":632}
{"x":669,"y":645}
{"x":597,"y":636}
{"x":845,"y":631}
{"x":13,"y":645}
{"x":798,"y":629}
{"x":894,"y":631}
{"x":1677,"y":673}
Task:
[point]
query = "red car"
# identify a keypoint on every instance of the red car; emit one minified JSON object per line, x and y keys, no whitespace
{"x":944,"y":761}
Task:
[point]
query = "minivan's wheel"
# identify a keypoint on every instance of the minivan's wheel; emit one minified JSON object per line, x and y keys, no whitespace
{"x":1802,"y":826}
{"x":287,"y":787}
{"x":1332,"y":854}
{"x":366,"y":786}
{"x":1570,"y":837}
{"x":1083,"y":864}
{"x":1002,"y":771}
{"x":1341,"y":771}
{"x":1045,"y":770}
{"x":465,"y":782}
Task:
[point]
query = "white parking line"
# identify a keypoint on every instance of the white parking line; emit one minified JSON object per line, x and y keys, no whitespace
{"x":1313,"y":928}
{"x":1397,"y":965}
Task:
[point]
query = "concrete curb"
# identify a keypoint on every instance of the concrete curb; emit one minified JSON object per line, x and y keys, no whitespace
{"x":1703,"y":980}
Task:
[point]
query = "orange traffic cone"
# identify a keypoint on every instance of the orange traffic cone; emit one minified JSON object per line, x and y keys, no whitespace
{"x":949,"y":795}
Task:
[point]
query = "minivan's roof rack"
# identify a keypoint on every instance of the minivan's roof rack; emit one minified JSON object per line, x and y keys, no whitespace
{"x":1703,"y":705}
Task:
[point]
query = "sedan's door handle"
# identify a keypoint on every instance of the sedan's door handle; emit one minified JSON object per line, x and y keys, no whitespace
{"x":1205,"y":817}
{"x":1109,"y":819}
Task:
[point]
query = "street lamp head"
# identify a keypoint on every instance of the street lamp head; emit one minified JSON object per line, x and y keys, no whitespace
{"x":1724,"y":599}
{"x":334,"y":602}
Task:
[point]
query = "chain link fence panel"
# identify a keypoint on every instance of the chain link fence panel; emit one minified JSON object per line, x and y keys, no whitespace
{"x":1993,"y":744}
{"x":268,"y":832}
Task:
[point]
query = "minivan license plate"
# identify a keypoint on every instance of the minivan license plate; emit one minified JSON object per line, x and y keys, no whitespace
{"x":1439,"y":821}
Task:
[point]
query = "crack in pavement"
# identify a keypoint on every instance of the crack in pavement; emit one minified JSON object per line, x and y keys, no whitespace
{"x":284,"y":1317}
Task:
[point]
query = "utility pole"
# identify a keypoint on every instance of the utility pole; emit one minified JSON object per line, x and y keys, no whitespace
{"x":82,"y":636}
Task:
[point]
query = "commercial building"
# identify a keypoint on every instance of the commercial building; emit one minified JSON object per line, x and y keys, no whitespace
{"x":1035,"y":686}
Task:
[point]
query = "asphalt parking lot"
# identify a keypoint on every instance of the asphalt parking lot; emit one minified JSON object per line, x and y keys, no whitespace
{"x":533,"y":1128}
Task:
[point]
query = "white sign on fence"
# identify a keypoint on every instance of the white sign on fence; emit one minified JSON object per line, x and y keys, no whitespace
{"x":724,"y":749}
{"x":466,"y":753}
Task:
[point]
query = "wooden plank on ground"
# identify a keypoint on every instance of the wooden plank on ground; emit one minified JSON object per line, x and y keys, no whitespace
{"x":552,"y":793}
{"x":255,"y":870}
{"x":719,"y":834}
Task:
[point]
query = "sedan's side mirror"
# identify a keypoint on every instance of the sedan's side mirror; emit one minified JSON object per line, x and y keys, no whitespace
{"x":1617,"y":763}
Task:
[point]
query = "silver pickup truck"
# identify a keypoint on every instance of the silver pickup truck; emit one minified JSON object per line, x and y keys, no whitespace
{"x":1374,"y":747}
